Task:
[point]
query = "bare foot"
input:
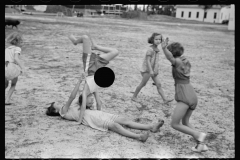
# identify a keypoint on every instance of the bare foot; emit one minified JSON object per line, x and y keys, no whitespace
{"x":200,"y":148}
{"x":156,"y":127}
{"x":144,"y":137}
{"x":167,"y":101}
{"x":73,"y":39}
{"x":134,"y":99}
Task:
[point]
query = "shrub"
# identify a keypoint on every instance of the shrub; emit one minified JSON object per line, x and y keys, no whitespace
{"x":58,"y":8}
{"x":134,"y":15}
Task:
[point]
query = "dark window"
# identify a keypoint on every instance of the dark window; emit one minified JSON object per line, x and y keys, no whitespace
{"x":215,"y":15}
{"x":197,"y":14}
{"x":189,"y":14}
{"x":205,"y":14}
{"x":182,"y":13}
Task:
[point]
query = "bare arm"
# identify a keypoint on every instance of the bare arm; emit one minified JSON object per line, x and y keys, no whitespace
{"x":18,"y":61}
{"x":99,"y":103}
{"x":72,"y":96}
{"x":84,"y":101}
{"x":167,"y":53}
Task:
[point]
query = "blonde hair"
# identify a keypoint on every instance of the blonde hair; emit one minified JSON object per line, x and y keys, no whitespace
{"x":14,"y":38}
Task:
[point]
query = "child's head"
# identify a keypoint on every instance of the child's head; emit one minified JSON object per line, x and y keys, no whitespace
{"x":89,"y":101}
{"x":176,"y":49}
{"x":156,"y":39}
{"x":14,"y":38}
{"x":52,"y":110}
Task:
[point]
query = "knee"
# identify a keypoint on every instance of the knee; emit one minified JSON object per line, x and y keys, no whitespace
{"x":159,"y":85}
{"x":126,"y":121}
{"x":173,"y":124}
{"x":115,"y":126}
{"x":142,"y":85}
{"x":184,"y":122}
{"x":13,"y":84}
{"x":116,"y":52}
{"x":85,"y":37}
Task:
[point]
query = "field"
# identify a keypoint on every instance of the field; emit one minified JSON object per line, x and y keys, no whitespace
{"x":54,"y":66}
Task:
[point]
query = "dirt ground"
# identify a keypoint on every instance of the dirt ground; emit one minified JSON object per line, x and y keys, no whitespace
{"x":54,"y":65}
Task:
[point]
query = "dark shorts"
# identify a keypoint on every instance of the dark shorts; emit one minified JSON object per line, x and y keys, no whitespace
{"x":93,"y":63}
{"x":186,"y":94}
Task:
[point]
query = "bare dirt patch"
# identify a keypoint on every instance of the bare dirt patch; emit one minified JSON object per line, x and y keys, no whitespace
{"x":54,"y":65}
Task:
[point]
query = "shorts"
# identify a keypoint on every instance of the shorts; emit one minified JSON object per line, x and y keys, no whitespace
{"x":92,"y":62}
{"x":186,"y":94}
{"x":12,"y":70}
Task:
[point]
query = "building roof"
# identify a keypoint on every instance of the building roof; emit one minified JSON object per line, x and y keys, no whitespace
{"x":197,"y":6}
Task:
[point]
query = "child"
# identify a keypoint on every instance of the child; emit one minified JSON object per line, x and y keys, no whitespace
{"x":150,"y":67}
{"x":98,"y":119}
{"x":185,"y":95}
{"x":13,"y":66}
{"x":91,"y":63}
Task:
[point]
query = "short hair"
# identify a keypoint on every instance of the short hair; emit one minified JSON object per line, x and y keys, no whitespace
{"x":151,"y":39}
{"x":51,"y":111}
{"x":14,"y":38}
{"x":176,"y":49}
{"x":80,"y":100}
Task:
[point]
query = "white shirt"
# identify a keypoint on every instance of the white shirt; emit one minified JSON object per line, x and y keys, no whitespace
{"x":10,"y":53}
{"x":91,"y":83}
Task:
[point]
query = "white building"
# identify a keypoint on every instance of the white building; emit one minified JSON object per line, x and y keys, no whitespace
{"x":231,"y":24}
{"x":196,"y":12}
{"x":225,"y":13}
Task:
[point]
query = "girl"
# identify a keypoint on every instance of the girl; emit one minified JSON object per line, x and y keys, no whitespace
{"x":13,"y":66}
{"x":184,"y":93}
{"x":97,"y":119}
{"x":150,"y":67}
{"x":91,"y":63}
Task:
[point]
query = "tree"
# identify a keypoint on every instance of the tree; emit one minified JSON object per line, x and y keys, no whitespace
{"x":135,"y":7}
{"x":168,"y":10}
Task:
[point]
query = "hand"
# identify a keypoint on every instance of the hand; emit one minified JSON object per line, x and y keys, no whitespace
{"x":165,"y":43}
{"x":151,"y":73}
{"x":23,"y":72}
{"x":83,"y":77}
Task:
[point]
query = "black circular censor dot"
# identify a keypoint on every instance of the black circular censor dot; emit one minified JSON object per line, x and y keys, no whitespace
{"x":104,"y":77}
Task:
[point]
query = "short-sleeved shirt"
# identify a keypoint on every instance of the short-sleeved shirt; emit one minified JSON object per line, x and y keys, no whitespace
{"x":10,"y":53}
{"x":154,"y":60}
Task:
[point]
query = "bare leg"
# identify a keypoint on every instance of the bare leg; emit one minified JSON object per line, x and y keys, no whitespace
{"x":135,"y":125}
{"x":82,"y":39}
{"x":178,"y":113}
{"x":145,"y":78}
{"x":185,"y":120}
{"x":160,"y":90}
{"x":111,"y":53}
{"x":6,"y":83}
{"x":11,"y":90}
{"x":86,"y":47}
{"x":115,"y":127}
